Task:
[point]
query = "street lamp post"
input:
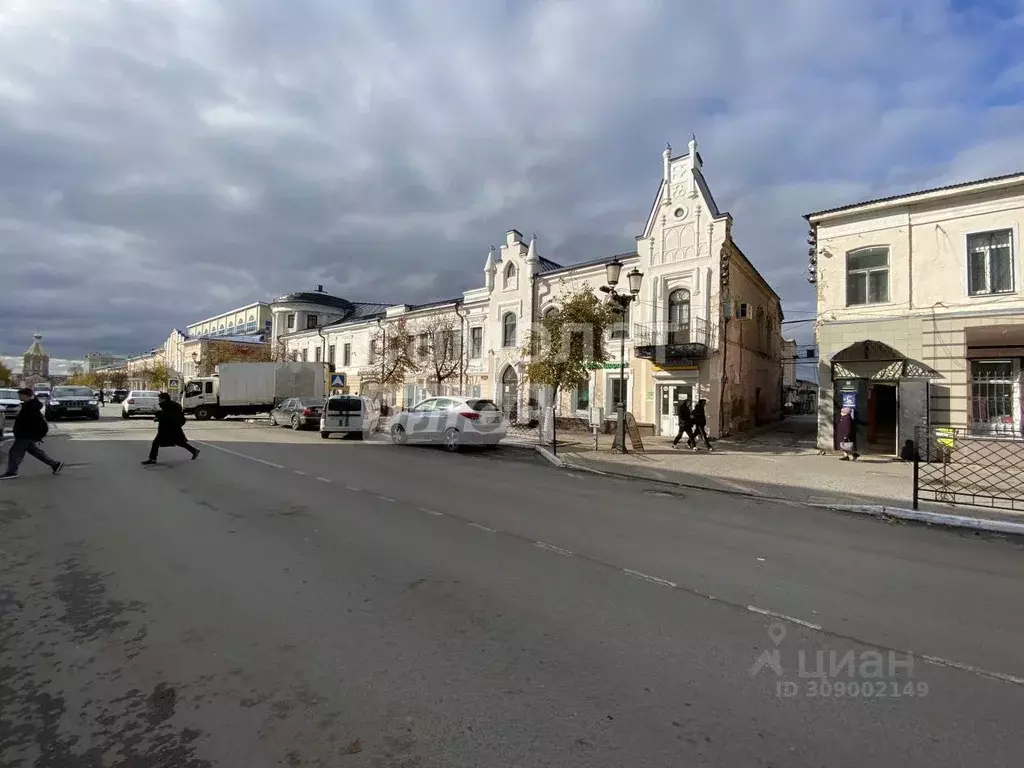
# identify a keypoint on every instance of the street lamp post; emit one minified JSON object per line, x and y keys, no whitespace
{"x":613,"y":270}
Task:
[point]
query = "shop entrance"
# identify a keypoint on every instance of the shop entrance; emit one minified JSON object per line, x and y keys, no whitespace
{"x":882,"y":418}
{"x":668,"y":396}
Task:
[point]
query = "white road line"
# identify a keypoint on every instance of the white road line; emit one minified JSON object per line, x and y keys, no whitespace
{"x":782,"y":617}
{"x":299,"y":472}
{"x":324,"y":479}
{"x":648,"y":577}
{"x":973,"y":670}
{"x":353,"y":489}
{"x":431,"y":512}
{"x":552,"y":548}
{"x":483,"y":527}
{"x":239,"y":455}
{"x":387,"y":499}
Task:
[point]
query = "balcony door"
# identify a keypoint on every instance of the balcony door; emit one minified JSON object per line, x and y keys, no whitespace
{"x":679,"y":317}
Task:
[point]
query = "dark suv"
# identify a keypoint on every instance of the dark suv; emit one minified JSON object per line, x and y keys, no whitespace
{"x":119,"y":395}
{"x":72,"y":403}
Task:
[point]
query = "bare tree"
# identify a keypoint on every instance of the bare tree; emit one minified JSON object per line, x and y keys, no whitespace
{"x":439,"y":348}
{"x":389,"y":359}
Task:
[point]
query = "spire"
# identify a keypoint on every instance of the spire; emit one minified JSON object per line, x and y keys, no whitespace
{"x":36,"y":350}
{"x":666,"y":172}
{"x":489,"y":268}
{"x":695,"y":164}
{"x":531,"y":253}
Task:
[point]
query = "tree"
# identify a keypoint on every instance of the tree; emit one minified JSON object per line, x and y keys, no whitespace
{"x":389,"y":358}
{"x":439,"y":348}
{"x":75,"y":371}
{"x":219,"y":352}
{"x":159,"y":374}
{"x":118,"y":378}
{"x":6,"y":375}
{"x":570,"y":342}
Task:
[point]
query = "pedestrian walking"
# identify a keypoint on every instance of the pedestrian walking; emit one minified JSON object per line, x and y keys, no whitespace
{"x":101,"y":398}
{"x":685,"y":419}
{"x":170,"y":429}
{"x":700,"y":425}
{"x":30,"y":428}
{"x":848,"y":424}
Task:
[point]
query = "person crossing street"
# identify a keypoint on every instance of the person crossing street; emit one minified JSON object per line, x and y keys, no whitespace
{"x":170,"y":429}
{"x":29,"y":429}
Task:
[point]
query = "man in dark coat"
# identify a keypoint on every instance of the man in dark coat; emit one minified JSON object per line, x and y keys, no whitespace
{"x":700,"y":425}
{"x":685,"y":422}
{"x":30,"y":428}
{"x":169,"y":431}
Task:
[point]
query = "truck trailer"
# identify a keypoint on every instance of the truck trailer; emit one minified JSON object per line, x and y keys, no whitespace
{"x":245,"y":389}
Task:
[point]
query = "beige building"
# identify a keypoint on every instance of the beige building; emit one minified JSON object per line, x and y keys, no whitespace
{"x":705,"y":325}
{"x":920,"y":311}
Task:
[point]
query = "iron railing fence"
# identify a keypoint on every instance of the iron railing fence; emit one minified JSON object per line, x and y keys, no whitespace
{"x":960,"y":466}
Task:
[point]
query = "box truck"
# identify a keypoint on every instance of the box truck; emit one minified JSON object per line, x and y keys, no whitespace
{"x":243,"y":389}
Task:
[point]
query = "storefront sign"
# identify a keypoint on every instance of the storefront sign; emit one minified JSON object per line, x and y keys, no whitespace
{"x":606,"y":366}
{"x":676,"y":367}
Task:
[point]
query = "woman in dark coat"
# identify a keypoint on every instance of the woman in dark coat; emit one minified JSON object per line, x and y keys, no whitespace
{"x":700,"y":425}
{"x":169,"y":431}
{"x":848,"y":435}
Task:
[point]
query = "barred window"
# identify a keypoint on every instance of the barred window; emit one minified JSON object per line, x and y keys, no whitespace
{"x":992,"y":396}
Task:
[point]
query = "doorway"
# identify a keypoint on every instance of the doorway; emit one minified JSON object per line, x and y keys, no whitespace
{"x":883,"y":418}
{"x":510,"y":393}
{"x":668,"y":396}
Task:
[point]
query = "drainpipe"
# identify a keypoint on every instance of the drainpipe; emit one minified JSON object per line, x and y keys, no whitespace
{"x":462,"y":352}
{"x":323,"y":359}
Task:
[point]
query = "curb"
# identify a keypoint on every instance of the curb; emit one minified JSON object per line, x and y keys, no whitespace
{"x":551,"y":458}
{"x":931,"y":518}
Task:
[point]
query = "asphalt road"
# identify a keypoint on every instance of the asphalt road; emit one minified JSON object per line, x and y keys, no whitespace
{"x":291,"y":601}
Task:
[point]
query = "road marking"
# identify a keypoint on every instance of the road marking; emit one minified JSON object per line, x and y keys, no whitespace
{"x":353,"y":489}
{"x":299,"y":472}
{"x":938,"y":661}
{"x":783,"y":617}
{"x":648,"y":577}
{"x":483,"y":527}
{"x":552,"y":548}
{"x":431,"y":512}
{"x":324,"y":479}
{"x":387,"y":499}
{"x":240,"y":455}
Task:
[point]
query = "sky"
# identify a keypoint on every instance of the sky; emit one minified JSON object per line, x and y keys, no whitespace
{"x":164,"y":161}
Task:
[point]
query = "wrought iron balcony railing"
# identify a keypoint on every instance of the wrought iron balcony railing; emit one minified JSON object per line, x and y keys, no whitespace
{"x":668,"y":342}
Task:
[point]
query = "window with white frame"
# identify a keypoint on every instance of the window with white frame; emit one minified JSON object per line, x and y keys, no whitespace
{"x":346,"y":354}
{"x":317,"y":353}
{"x":867,"y":276}
{"x":990,"y":262}
{"x":312,"y":321}
{"x":995,"y":392}
{"x":305,"y":355}
{"x":617,"y":391}
{"x":508,"y":330}
{"x":372,"y":352}
{"x":330,"y":354}
{"x":476,"y":343}
{"x":581,"y":397}
{"x":290,"y":321}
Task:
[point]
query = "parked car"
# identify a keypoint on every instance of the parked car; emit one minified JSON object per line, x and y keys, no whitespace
{"x":9,"y":403}
{"x":297,"y":413}
{"x":140,"y":402}
{"x":71,"y":403}
{"x":119,"y":396}
{"x":349,"y":415}
{"x":450,"y":421}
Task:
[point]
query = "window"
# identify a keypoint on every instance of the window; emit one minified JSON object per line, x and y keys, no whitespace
{"x":372,"y":356}
{"x":312,"y":321}
{"x":867,"y":277}
{"x":510,"y":277}
{"x":679,"y":316}
{"x":476,"y":343}
{"x":423,"y":344}
{"x":990,"y":263}
{"x":290,"y":321}
{"x":617,"y":390}
{"x":209,"y":387}
{"x":346,"y":354}
{"x":992,"y":396}
{"x":508,"y":330}
{"x":550,"y":312}
{"x":330,"y":354}
{"x":318,"y":355}
{"x":620,"y":330}
{"x":305,"y":355}
{"x":581,"y":398}
{"x":474,"y":390}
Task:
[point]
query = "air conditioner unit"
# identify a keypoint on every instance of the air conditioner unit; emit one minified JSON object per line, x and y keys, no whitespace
{"x":743,"y":311}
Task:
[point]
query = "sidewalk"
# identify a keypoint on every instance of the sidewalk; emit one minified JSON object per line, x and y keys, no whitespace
{"x":781,"y":464}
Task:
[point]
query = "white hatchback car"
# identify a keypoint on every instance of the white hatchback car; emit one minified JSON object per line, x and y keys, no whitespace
{"x":452,"y":422}
{"x":140,"y":402}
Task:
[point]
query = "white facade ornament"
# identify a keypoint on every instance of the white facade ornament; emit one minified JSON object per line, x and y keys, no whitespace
{"x":667,"y":173}
{"x":694,"y":165}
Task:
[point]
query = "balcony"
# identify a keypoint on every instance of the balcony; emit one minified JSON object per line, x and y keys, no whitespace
{"x":672,"y":343}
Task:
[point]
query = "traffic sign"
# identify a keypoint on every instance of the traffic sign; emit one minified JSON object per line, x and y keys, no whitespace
{"x":337,"y":380}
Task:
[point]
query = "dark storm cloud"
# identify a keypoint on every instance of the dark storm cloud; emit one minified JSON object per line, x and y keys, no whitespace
{"x":165,"y":161}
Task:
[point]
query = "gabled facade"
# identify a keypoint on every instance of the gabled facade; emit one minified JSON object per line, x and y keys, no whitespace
{"x":921,"y":311}
{"x":705,"y":325}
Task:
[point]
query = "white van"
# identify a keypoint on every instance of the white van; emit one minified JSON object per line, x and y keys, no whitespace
{"x":348,"y":415}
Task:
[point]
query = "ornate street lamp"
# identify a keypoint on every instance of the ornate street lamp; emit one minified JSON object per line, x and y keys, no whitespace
{"x":613,"y":270}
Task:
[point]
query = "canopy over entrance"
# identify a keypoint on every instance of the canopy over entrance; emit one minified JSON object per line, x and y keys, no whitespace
{"x":875,"y":360}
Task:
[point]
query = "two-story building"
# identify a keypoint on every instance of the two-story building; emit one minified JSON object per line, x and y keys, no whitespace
{"x":920,"y":311}
{"x":705,"y":324}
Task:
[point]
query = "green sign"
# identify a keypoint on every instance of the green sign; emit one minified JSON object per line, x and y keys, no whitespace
{"x":606,"y":366}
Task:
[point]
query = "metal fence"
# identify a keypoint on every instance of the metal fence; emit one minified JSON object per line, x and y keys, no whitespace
{"x":958,"y":466}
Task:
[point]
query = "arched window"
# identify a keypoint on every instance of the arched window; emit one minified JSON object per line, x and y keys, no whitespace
{"x":510,"y":276}
{"x":550,"y":312}
{"x":679,"y":316}
{"x":508,"y":330}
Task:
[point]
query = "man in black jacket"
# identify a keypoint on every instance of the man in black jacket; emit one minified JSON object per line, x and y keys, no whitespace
{"x":30,"y":428}
{"x":685,"y":422}
{"x":169,"y":431}
{"x":700,"y":425}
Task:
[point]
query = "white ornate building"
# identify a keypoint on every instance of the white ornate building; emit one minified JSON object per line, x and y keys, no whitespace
{"x":706,"y":323}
